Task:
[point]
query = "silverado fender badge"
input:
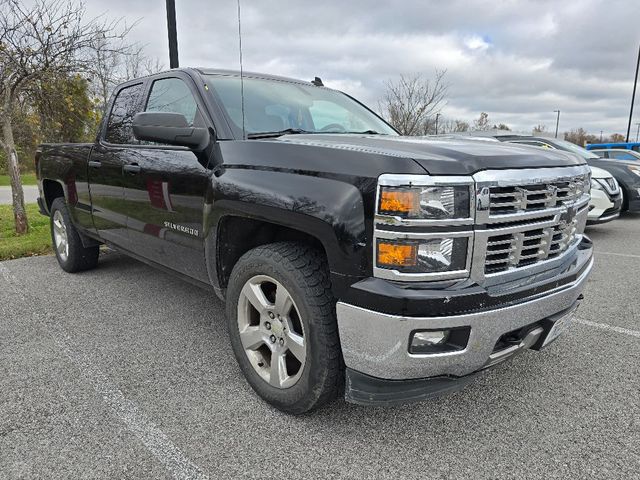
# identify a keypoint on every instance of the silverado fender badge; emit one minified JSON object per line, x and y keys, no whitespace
{"x":181,"y":228}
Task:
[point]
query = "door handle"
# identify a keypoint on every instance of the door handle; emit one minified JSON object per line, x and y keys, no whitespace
{"x":94,"y":164}
{"x":133,"y":168}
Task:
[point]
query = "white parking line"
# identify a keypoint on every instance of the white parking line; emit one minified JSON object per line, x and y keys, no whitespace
{"x":138,"y":423}
{"x":606,"y":326}
{"x":627,"y":255}
{"x":147,"y":432}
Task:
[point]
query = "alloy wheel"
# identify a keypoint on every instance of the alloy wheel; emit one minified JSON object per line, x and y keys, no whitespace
{"x":60,"y":237}
{"x":271,"y":331}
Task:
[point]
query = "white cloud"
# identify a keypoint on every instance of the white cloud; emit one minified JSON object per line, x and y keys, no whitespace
{"x":517,"y":60}
{"x":476,"y":42}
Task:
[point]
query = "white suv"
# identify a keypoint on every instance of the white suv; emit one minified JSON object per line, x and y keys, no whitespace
{"x":606,"y":198}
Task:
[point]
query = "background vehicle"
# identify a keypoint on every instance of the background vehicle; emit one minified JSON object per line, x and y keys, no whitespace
{"x":635,"y":146}
{"x":350,"y":258}
{"x":616,"y":154}
{"x":626,"y":173}
{"x":606,"y":197}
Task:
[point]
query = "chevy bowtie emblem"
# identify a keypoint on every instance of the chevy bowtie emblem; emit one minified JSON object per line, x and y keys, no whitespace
{"x":567,"y":216}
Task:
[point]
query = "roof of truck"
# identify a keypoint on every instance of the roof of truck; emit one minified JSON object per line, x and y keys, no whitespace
{"x":236,"y":73}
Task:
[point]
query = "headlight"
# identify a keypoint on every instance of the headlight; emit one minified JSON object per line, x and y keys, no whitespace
{"x":634,"y":169}
{"x":427,"y":202}
{"x":595,"y":184}
{"x":434,"y":255}
{"x":423,"y":227}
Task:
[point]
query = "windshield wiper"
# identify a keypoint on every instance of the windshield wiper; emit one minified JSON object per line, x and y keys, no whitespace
{"x":364,"y":132}
{"x":370,"y":132}
{"x":286,"y":131}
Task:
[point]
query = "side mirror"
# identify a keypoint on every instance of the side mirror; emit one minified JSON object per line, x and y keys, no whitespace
{"x":170,"y":128}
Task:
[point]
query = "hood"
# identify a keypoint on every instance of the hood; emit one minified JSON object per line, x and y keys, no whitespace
{"x":599,"y":173}
{"x":441,"y":156}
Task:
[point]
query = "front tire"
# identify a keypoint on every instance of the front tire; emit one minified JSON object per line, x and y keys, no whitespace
{"x":72,"y":255}
{"x":282,"y":326}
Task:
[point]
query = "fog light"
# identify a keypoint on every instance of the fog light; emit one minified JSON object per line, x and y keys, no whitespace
{"x":422,"y":339}
{"x":439,"y":341}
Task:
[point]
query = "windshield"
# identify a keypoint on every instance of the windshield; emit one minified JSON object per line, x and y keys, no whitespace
{"x":572,"y":147}
{"x":273,"y":106}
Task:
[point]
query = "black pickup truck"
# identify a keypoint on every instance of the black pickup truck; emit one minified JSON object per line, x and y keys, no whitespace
{"x":351,"y":259}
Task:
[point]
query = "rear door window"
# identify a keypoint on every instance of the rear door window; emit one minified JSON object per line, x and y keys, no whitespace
{"x":125,"y":106}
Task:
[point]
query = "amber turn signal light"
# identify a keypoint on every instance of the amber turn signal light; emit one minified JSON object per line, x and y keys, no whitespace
{"x":397,"y":254}
{"x":398,"y":201}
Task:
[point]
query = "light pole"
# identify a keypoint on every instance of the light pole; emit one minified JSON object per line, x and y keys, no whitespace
{"x":173,"y":35}
{"x":437,"y":116}
{"x":637,"y":131}
{"x":600,"y":136}
{"x":633,"y":95}
{"x":557,"y":121}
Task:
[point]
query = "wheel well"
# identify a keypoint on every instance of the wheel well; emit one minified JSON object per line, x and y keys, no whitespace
{"x":52,"y":190}
{"x":238,"y":235}
{"x":625,"y":197}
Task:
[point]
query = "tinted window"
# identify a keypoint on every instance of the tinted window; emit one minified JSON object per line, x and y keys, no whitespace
{"x":327,"y":114}
{"x":125,"y":106}
{"x":275,"y":105}
{"x":622,"y":155}
{"x":172,"y":95}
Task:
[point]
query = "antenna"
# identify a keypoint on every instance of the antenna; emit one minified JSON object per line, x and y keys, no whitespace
{"x":244,"y":133}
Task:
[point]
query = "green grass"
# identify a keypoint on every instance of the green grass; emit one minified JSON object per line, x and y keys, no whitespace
{"x":27,"y":179}
{"x":36,"y":242}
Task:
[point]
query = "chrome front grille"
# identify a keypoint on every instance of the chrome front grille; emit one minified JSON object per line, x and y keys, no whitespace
{"x":531,"y":197}
{"x":528,"y":247}
{"x":522,"y":223}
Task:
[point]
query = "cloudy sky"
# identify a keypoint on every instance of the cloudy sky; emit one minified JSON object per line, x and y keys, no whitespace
{"x":516,"y":60}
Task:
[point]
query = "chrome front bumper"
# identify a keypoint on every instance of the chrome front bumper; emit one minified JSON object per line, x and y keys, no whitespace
{"x":377,"y":344}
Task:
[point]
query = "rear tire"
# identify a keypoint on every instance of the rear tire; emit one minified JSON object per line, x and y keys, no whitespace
{"x":72,"y":255}
{"x":290,"y":355}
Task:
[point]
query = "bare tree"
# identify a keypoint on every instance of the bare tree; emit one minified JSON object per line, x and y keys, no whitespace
{"x":616,"y":138}
{"x":447,"y":125}
{"x":460,"y":126}
{"x":482,"y":123}
{"x":580,"y":137}
{"x":137,"y":63}
{"x":46,"y":38}
{"x":410,"y":102}
{"x":104,"y":72}
{"x":117,"y":63}
{"x":538,"y":129}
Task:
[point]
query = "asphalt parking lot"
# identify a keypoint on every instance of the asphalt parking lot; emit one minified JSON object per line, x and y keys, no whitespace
{"x":126,"y":372}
